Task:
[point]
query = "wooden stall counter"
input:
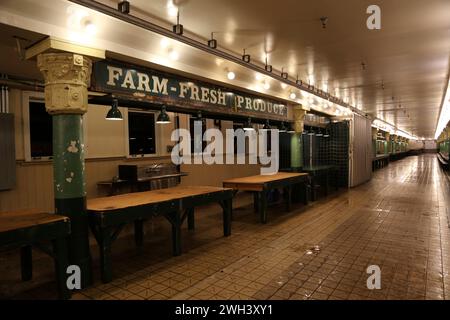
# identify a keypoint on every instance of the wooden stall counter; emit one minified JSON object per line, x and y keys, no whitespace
{"x":31,"y":227}
{"x":108,"y":215}
{"x":260,"y":185}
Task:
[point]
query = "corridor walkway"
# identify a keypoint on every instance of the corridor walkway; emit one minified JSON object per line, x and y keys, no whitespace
{"x":397,"y":221}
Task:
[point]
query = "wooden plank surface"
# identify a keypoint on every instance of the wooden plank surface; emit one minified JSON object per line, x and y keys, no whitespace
{"x":261,"y":179}
{"x":14,"y":220}
{"x":148,"y":197}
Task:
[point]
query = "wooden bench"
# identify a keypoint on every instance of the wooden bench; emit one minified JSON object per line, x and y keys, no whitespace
{"x":380,"y":161}
{"x":108,"y":215}
{"x":260,"y":185}
{"x":443,"y":160}
{"x":29,"y":228}
{"x":324,"y":172}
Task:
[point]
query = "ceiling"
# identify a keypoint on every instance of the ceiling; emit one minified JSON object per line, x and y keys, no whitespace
{"x":408,"y":57}
{"x":398,"y":73}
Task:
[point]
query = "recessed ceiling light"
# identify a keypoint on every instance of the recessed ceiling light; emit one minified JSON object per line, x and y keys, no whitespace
{"x":283,"y":85}
{"x":292,"y":95}
{"x":231,"y":75}
{"x":266,"y":86}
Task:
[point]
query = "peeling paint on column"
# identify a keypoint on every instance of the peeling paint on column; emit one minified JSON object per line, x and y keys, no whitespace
{"x":296,"y":150}
{"x":68,"y":156}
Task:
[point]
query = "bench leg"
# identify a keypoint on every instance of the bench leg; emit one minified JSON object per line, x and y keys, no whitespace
{"x":327,"y":182}
{"x":256,"y":201}
{"x":288,"y":197}
{"x":305,"y":193}
{"x":26,"y":263}
{"x":61,"y":263}
{"x":191,"y":218}
{"x":227,"y":209}
{"x":313,"y":188}
{"x":176,"y":233}
{"x":105,"y":254}
{"x":139,"y":232}
{"x":262,"y":206}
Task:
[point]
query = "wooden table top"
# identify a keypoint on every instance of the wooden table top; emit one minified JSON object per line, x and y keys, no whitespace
{"x":14,"y":220}
{"x":261,"y":179}
{"x":148,"y":197}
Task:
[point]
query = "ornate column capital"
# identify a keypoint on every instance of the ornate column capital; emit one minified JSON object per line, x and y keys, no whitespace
{"x":299,"y":118}
{"x":67,"y":77}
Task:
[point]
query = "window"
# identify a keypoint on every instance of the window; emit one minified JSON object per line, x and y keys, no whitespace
{"x":41,"y":127}
{"x":141,"y":133}
{"x":38,"y":127}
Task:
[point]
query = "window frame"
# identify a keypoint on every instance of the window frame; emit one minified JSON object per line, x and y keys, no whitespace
{"x":127,"y":135}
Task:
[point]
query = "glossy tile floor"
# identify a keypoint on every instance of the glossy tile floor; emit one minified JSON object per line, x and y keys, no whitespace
{"x":398,"y":221}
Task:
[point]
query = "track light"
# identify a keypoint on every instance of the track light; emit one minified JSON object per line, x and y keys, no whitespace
{"x":163,"y":117}
{"x":268,"y":67}
{"x":178,"y":28}
{"x":213,"y":42}
{"x":246,"y":57}
{"x":124,"y":7}
{"x":284,"y":75}
{"x":114,"y":113}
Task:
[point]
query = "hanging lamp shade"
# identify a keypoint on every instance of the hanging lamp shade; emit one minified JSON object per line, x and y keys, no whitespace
{"x":163,"y":117}
{"x":114,"y":113}
{"x":266,"y":126}
{"x":248,"y":125}
{"x":282,"y":127}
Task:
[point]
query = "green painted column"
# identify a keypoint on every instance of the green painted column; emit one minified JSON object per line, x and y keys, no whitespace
{"x":296,"y":151}
{"x":67,"y":78}
{"x":296,"y":138}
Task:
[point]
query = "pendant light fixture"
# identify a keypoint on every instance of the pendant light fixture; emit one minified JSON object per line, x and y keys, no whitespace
{"x":266,"y":126}
{"x":248,"y":125}
{"x":290,"y":129}
{"x":319,"y":134}
{"x":163,"y":117}
{"x":114,"y":113}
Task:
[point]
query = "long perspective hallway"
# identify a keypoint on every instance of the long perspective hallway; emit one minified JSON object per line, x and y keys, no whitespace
{"x":397,"y":221}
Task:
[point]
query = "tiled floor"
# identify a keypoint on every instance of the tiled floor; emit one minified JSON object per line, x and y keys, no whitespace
{"x":397,"y":221}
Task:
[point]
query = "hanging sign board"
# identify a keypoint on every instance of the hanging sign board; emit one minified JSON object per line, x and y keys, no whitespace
{"x":156,"y":86}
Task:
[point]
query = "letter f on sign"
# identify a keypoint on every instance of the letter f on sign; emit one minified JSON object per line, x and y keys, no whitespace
{"x":374,"y":20}
{"x":374,"y":280}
